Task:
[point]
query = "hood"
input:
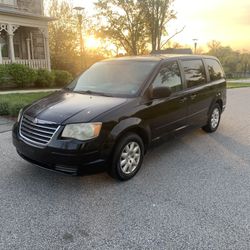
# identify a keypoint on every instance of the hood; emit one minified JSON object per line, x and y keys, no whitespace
{"x":63,"y":105}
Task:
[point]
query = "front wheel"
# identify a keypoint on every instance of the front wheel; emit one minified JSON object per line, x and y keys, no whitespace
{"x":128,"y":157}
{"x":213,"y":120}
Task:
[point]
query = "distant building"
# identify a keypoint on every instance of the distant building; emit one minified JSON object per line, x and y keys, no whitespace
{"x":24,"y":33}
{"x":186,"y":51}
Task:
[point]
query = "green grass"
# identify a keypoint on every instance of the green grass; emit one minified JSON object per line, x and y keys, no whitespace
{"x":10,"y":104}
{"x":233,"y":85}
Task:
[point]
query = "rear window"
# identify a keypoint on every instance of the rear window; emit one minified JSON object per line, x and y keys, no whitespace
{"x":194,"y":72}
{"x":215,"y":70}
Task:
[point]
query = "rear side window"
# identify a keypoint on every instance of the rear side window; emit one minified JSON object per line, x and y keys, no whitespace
{"x":169,"y":76}
{"x":194,"y":72}
{"x":215,"y":70}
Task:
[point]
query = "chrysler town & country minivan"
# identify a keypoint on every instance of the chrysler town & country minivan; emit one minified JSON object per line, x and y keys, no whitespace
{"x":112,"y":112}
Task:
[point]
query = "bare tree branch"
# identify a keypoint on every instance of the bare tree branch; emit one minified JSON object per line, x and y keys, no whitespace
{"x":175,"y":34}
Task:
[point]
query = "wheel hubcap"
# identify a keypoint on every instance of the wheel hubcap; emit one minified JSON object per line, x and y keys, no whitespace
{"x":130,"y":157}
{"x":215,"y":118}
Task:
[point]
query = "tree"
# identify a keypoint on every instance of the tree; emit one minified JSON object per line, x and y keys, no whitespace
{"x":157,"y":14}
{"x":122,"y":22}
{"x":234,"y":62}
{"x":63,"y":37}
{"x":214,"y":45}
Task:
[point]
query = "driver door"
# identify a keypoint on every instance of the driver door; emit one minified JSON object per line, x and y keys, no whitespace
{"x":170,"y":113}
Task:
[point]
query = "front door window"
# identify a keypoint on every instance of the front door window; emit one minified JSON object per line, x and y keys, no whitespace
{"x":169,"y":76}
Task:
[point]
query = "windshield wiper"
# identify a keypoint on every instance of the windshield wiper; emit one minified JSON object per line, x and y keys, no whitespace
{"x":89,"y":92}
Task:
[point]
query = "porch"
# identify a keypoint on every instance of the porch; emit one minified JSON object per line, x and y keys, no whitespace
{"x":24,"y":45}
{"x":32,"y":63}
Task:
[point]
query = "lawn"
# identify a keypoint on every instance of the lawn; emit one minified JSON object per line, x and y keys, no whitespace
{"x":10,"y":104}
{"x":233,"y":85}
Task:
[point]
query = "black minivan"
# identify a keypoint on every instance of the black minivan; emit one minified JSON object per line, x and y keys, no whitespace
{"x":113,"y":111}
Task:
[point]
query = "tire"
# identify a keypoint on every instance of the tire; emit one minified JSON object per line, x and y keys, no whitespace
{"x":213,"y":119}
{"x":128,"y":155}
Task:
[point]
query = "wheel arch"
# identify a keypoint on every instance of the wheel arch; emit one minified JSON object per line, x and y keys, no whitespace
{"x":131,"y":125}
{"x":218,"y":101}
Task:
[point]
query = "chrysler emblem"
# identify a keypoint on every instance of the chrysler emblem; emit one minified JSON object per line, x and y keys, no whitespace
{"x":35,"y":120}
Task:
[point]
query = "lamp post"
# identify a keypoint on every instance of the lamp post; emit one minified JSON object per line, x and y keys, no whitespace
{"x":79,"y":11}
{"x":195,"y":45}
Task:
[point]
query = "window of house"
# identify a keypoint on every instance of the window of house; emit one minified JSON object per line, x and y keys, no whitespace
{"x":169,"y":76}
{"x":215,"y":70}
{"x":8,"y":2}
{"x":194,"y":72}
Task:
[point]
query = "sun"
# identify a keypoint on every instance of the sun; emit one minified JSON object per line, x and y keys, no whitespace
{"x":92,"y":43}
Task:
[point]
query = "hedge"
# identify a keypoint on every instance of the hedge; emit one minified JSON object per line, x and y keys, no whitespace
{"x":45,"y":78}
{"x":22,"y":76}
{"x":62,"y":77}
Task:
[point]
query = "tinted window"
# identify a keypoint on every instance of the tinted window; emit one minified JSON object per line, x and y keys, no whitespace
{"x":115,"y":78}
{"x":169,"y":76}
{"x":194,"y":72}
{"x":215,"y":70}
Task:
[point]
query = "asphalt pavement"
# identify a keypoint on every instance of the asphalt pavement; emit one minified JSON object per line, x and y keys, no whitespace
{"x":193,"y":192}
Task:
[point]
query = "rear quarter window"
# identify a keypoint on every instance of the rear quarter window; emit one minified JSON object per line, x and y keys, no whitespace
{"x":215,"y":70}
{"x":194,"y":72}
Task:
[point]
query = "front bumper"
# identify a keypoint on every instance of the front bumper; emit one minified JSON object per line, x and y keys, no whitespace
{"x":69,"y":156}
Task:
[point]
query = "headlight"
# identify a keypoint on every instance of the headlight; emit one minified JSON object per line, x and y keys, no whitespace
{"x":20,"y":115}
{"x":82,"y":131}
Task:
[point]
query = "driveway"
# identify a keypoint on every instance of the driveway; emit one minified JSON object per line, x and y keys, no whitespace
{"x":193,"y":192}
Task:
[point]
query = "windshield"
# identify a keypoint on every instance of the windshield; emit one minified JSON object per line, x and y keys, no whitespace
{"x":123,"y":78}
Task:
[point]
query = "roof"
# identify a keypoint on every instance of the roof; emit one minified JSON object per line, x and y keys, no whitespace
{"x":158,"y":57}
{"x":18,"y":13}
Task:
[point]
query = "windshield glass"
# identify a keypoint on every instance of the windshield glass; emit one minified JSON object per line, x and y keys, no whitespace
{"x":116,"y":78}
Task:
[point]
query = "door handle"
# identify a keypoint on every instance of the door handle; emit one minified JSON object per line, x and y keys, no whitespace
{"x":193,"y":96}
{"x":184,"y":99}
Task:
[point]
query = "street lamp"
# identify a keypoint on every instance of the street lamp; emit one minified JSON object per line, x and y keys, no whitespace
{"x":79,"y":11}
{"x":195,"y":45}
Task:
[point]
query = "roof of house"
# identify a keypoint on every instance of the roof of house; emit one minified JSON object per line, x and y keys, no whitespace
{"x":18,"y":13}
{"x":183,"y":51}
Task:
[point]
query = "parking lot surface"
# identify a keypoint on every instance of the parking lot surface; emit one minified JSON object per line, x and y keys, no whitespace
{"x":193,"y":192}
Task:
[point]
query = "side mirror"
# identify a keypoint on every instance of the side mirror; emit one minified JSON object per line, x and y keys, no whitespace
{"x":161,"y":92}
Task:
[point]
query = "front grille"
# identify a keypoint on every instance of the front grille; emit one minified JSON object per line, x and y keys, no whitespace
{"x":40,"y":132}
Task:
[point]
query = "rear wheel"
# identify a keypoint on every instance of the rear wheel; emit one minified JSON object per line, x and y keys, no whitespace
{"x":128,"y":157}
{"x":213,"y":120}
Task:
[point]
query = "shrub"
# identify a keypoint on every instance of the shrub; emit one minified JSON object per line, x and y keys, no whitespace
{"x":62,"y":77}
{"x":21,"y":74}
{"x":4,"y":108}
{"x":15,"y":107}
{"x":45,"y":78}
{"x":4,"y":76}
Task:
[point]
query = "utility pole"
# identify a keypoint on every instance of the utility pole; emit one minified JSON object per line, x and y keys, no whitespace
{"x":195,"y":45}
{"x":80,"y":11}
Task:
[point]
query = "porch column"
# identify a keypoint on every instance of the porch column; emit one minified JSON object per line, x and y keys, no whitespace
{"x":10,"y":30}
{"x":44,"y":31}
{"x":28,"y":48}
{"x":47,"y":52}
{"x":3,"y":26}
{"x":1,"y":57}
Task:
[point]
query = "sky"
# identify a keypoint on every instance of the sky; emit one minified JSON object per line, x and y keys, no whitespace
{"x":227,"y":21}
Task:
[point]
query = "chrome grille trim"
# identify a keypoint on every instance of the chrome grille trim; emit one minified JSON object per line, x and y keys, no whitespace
{"x":39,"y":132}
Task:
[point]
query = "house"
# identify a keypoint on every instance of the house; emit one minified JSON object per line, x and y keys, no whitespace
{"x":184,"y":51}
{"x":24,"y":33}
